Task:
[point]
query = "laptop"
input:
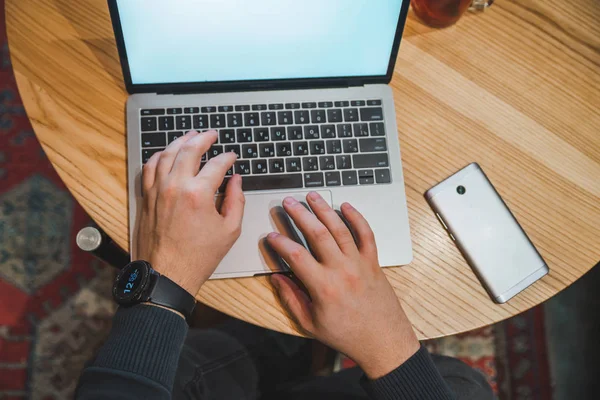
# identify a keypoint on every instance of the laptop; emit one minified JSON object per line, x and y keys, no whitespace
{"x":299,"y":90}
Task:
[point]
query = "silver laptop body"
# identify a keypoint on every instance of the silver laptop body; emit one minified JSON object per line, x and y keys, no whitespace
{"x":340,"y":141}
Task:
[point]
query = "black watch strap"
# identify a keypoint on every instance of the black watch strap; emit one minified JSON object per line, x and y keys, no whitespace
{"x":169,"y":294}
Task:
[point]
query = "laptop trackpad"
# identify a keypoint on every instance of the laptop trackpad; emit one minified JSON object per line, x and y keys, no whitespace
{"x":263,"y":214}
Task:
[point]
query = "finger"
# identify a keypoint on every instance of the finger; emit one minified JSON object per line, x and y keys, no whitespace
{"x":360,"y":226}
{"x":187,"y":161}
{"x":302,"y":263}
{"x":149,"y":172}
{"x":167,"y":156}
{"x":316,"y":234}
{"x":333,"y":223}
{"x":295,"y":301}
{"x":215,"y":169}
{"x":233,"y":204}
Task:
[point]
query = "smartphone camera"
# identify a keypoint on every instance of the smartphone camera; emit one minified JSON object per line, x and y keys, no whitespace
{"x":461,"y":190}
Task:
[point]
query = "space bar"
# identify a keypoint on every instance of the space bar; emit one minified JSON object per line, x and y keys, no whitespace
{"x":287,"y":181}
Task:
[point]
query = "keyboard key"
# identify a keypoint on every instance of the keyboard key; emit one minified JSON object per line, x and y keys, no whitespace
{"x":242,"y":167}
{"x":371,"y":114}
{"x":166,"y":123}
{"x":333,"y":178}
{"x":382,"y":176}
{"x":147,"y":153}
{"x":301,"y":148}
{"x":277,"y":106}
{"x":314,"y":179}
{"x":285,"y":117}
{"x":358,"y":103}
{"x":370,"y":160}
{"x":294,"y":133}
{"x":152,"y":111}
{"x":309,"y":105}
{"x":349,"y":178}
{"x":342,"y":104}
{"x":317,"y":147}
{"x":267,"y":150}
{"x":154,"y":140}
{"x":284,"y":149}
{"x":373,"y":102}
{"x":229,"y":172}
{"x":333,"y":146}
{"x":208,"y":109}
{"x":366,"y":177}
{"x":377,"y":129}
{"x":234,"y":148}
{"x":276,"y":166}
{"x":286,"y":181}
{"x":372,"y":145}
{"x":293,"y":165}
{"x":310,"y":164}
{"x":172,"y":111}
{"x":217,"y":121}
{"x":244,"y":135}
{"x":234,"y":120}
{"x":249,"y":151}
{"x":350,"y":146}
{"x":268,"y":118}
{"x":191,"y":110}
{"x":318,"y":116}
{"x":311,"y":132}
{"x":325,"y":104}
{"x":361,"y":129}
{"x":215,"y":150}
{"x":183,"y":122}
{"x":261,"y":134}
{"x":350,"y":114}
{"x":301,"y":117}
{"x":148,"y":124}
{"x":343,"y":162}
{"x":292,"y":106}
{"x":327,"y":131}
{"x":171,"y":136}
{"x":259,"y":166}
{"x":225,"y":109}
{"x":243,"y":107}
{"x":344,"y":130}
{"x":334,"y":115}
{"x":200,"y":121}
{"x":277,"y":133}
{"x":326,"y":163}
{"x":251,"y":119}
{"x":259,"y":107}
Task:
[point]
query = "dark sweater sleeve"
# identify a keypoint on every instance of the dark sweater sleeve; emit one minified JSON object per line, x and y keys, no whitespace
{"x":416,"y":379}
{"x":139,"y":359}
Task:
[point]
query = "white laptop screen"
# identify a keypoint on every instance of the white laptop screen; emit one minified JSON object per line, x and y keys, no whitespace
{"x":179,"y":41}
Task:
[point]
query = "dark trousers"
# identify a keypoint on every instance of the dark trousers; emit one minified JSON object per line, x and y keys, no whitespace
{"x":244,"y":362}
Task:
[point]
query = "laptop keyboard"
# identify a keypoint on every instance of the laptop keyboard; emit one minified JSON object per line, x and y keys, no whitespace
{"x":284,"y":146}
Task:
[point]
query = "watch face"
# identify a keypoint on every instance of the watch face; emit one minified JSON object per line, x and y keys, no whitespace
{"x":131,"y":282}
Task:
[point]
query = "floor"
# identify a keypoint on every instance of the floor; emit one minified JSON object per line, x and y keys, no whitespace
{"x":573,"y":335}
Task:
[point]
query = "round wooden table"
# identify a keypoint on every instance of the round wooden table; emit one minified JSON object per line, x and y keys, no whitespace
{"x":516,"y":88}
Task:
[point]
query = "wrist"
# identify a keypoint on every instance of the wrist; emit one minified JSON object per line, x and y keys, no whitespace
{"x":164,"y":308}
{"x":389,"y":357}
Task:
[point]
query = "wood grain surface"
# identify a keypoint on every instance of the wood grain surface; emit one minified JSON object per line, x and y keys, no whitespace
{"x":516,"y":89}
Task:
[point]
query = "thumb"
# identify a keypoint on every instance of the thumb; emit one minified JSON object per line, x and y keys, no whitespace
{"x":233,"y":203}
{"x":295,"y":301}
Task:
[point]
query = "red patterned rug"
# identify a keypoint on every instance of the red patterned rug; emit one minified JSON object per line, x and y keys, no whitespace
{"x":55,"y":306}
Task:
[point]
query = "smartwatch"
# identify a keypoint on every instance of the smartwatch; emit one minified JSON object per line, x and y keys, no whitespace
{"x":138,"y":283}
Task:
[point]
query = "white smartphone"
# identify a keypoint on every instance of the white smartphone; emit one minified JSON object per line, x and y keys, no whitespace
{"x":487,"y":233}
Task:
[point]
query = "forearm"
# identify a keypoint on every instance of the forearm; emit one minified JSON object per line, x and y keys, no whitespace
{"x":416,"y":379}
{"x":139,"y":358}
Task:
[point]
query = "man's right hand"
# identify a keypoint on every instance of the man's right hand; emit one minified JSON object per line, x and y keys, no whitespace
{"x":352,"y":307}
